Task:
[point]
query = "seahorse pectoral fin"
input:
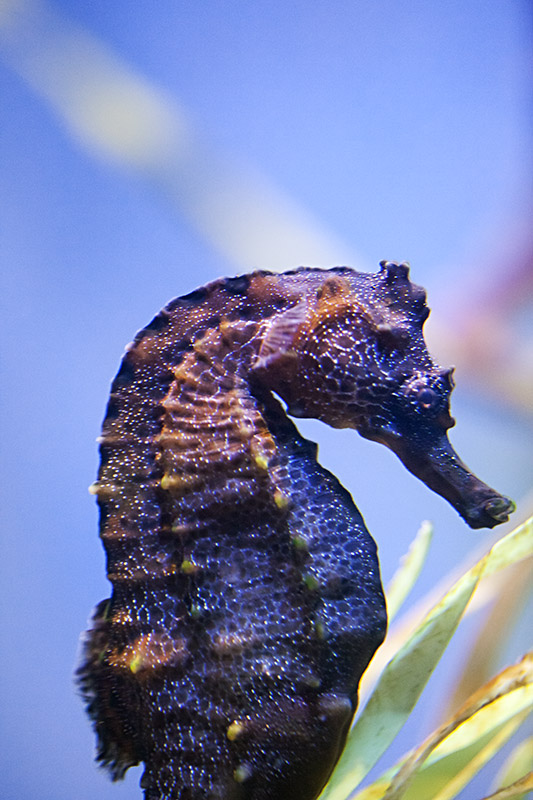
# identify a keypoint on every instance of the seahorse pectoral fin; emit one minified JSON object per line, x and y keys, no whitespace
{"x":280,"y":334}
{"x":441,"y":469}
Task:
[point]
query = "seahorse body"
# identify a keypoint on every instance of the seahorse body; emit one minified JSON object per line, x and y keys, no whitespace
{"x":246,"y":597}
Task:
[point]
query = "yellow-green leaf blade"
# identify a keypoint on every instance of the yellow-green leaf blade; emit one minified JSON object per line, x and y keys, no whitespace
{"x":515,"y":791}
{"x":452,"y":754}
{"x":408,"y":571}
{"x":404,"y":678}
{"x":398,"y":690}
{"x":517,"y":765}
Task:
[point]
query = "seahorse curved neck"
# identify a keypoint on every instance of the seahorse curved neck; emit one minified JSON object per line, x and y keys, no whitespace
{"x":214,"y":442}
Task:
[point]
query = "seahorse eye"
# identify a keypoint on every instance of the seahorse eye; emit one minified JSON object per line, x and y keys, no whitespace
{"x":427,"y":397}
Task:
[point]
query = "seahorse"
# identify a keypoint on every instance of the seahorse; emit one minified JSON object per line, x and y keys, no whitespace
{"x":246,"y":596}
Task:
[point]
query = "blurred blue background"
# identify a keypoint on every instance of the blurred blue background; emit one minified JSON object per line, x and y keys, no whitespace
{"x":147,"y":148}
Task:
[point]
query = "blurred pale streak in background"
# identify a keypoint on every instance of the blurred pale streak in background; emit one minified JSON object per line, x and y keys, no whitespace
{"x":123,"y":118}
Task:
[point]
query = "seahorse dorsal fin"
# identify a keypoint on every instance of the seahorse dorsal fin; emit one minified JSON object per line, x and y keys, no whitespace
{"x":280,"y":335}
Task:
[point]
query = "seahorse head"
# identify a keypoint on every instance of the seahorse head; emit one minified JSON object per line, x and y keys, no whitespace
{"x":351,"y":352}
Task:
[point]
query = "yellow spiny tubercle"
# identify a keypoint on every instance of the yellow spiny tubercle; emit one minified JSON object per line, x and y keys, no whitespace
{"x":103,"y":490}
{"x":242,"y":773}
{"x":320,"y":630}
{"x":178,"y":482}
{"x":235,"y":730}
{"x":310,"y":582}
{"x":262,"y":462}
{"x":136,"y":663}
{"x":169,"y":482}
{"x":281,"y":499}
{"x":299,"y":543}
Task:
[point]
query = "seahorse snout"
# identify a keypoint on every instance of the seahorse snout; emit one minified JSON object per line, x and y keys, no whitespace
{"x":491,"y":512}
{"x":441,"y":469}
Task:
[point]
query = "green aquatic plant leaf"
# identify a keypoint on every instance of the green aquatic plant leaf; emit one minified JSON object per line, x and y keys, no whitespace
{"x":495,"y":711}
{"x":443,"y":776}
{"x":405,"y":676}
{"x":408,"y":570}
{"x":457,"y":779}
{"x":515,"y":791}
{"x":516,"y":765}
{"x":398,"y":690}
{"x":500,"y":600}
